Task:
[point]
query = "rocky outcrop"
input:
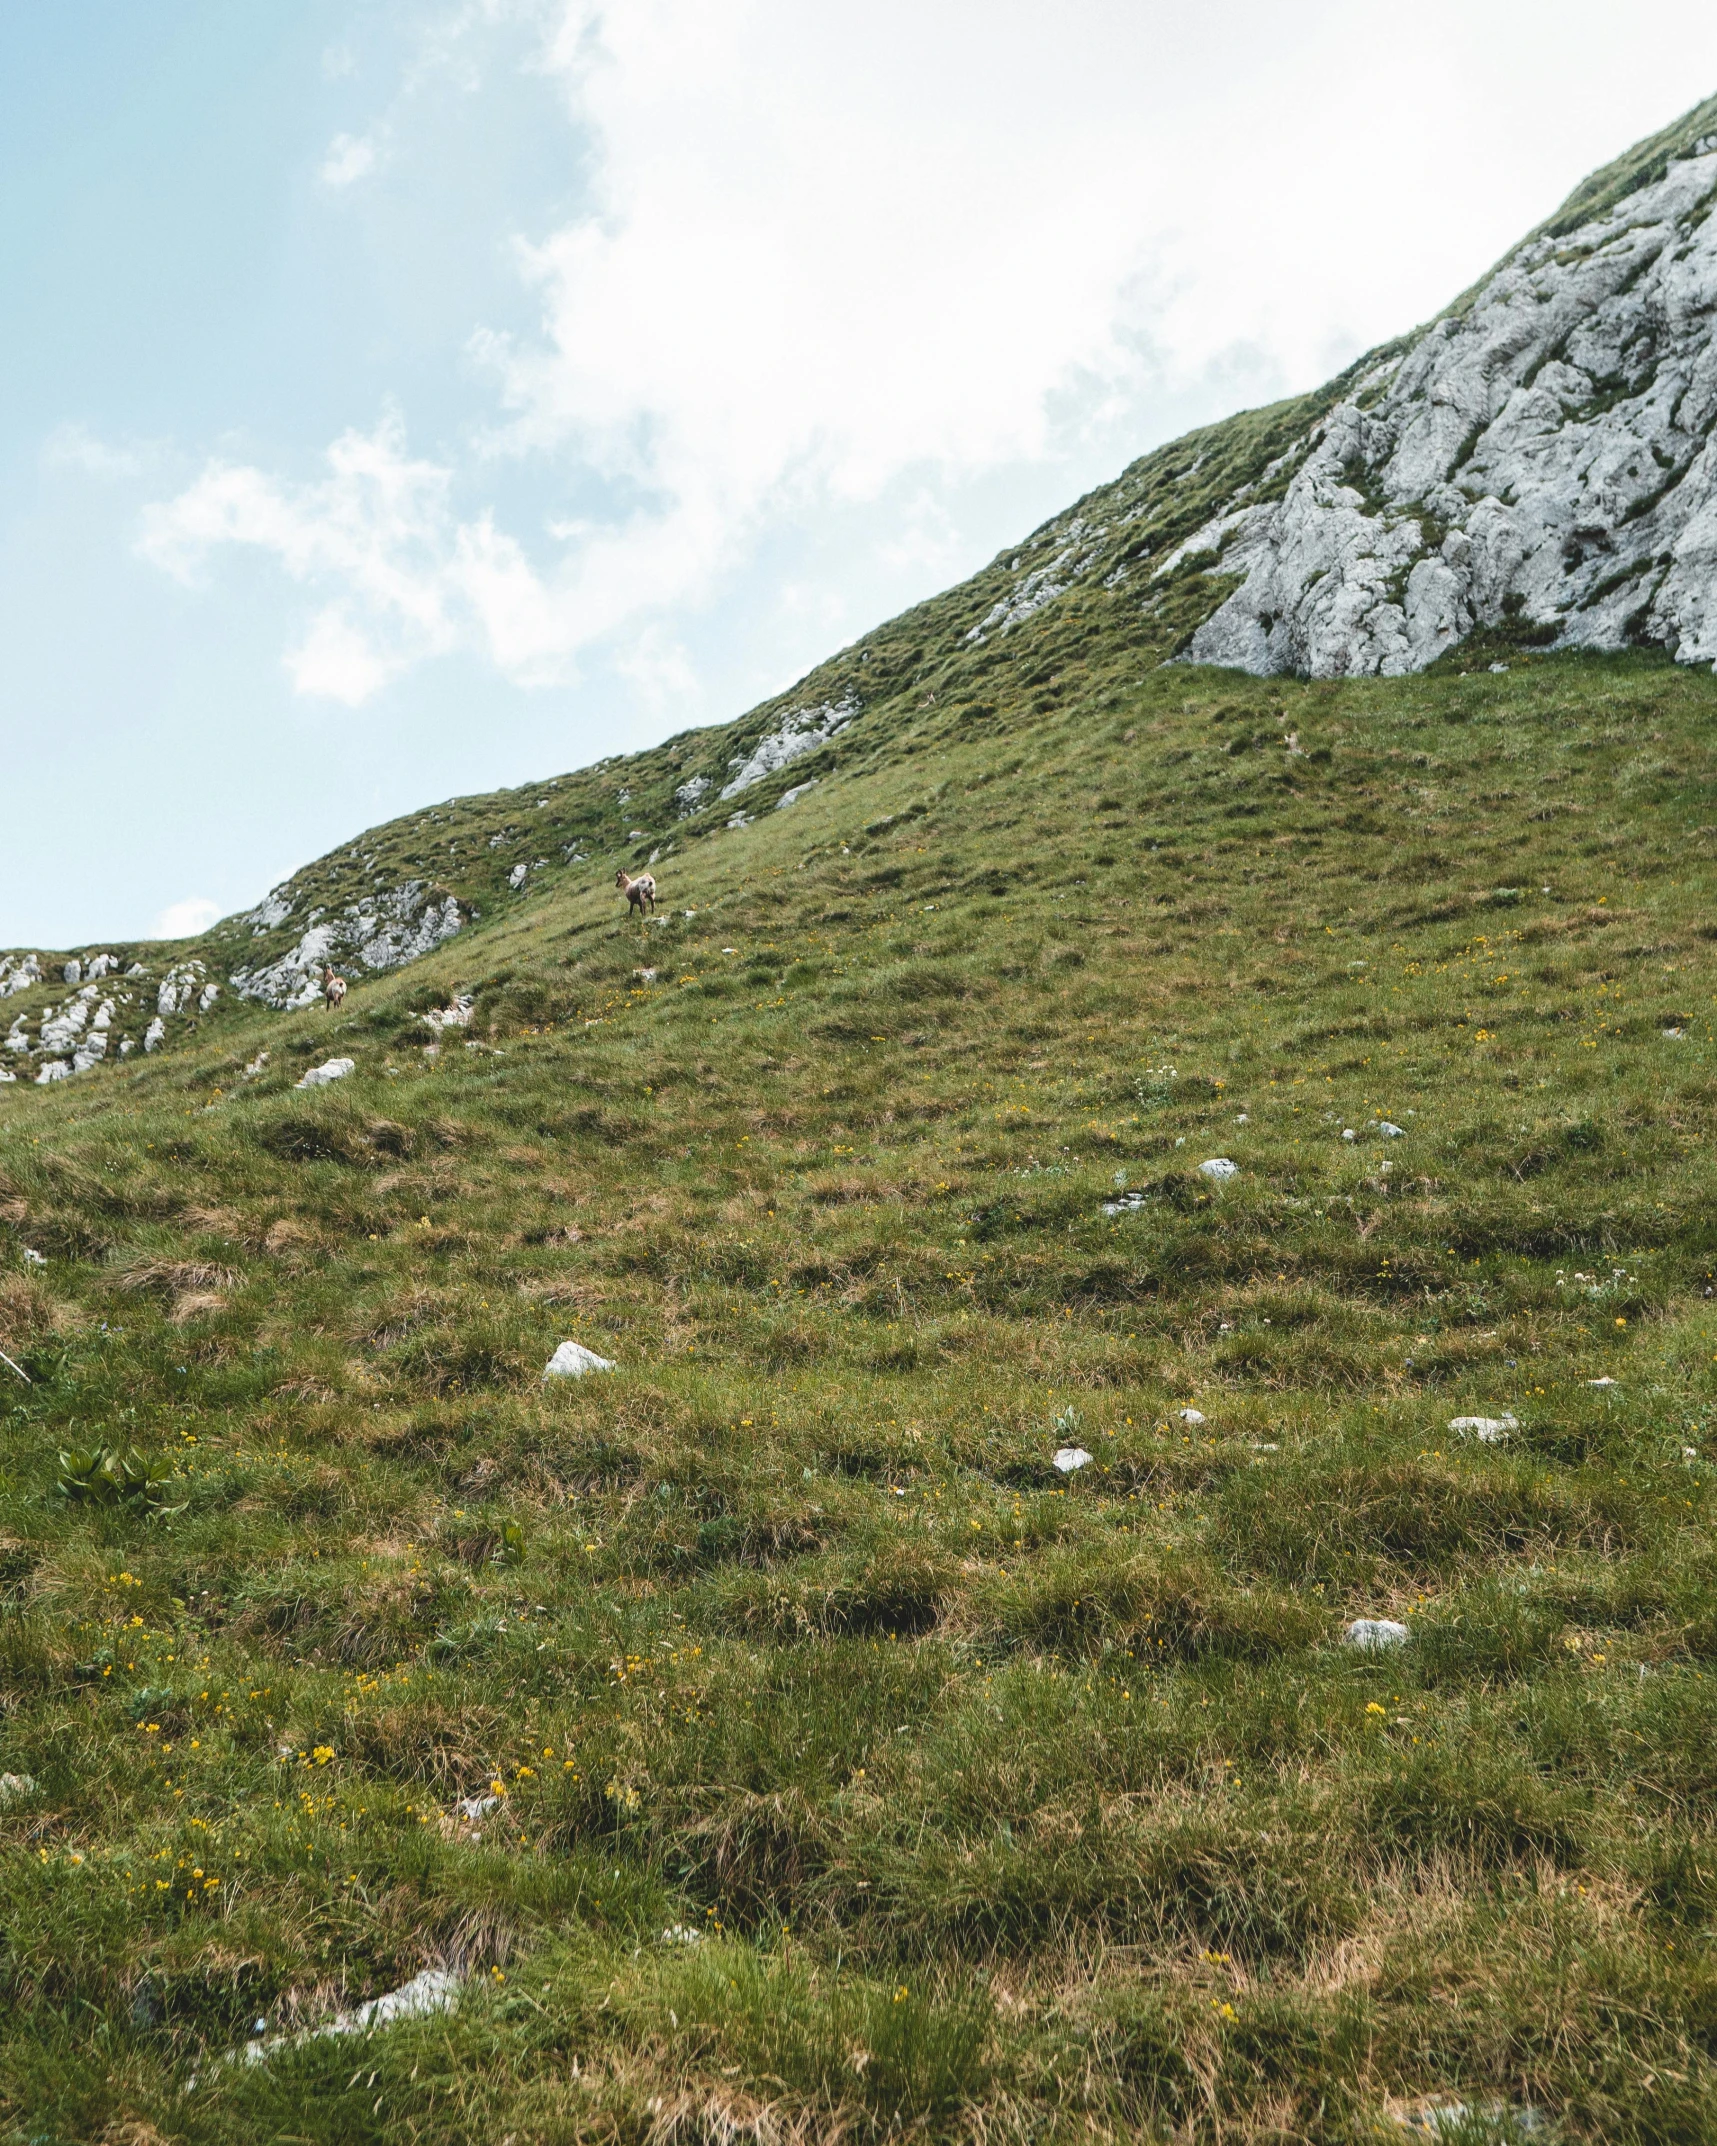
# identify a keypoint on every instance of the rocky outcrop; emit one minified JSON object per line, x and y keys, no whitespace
{"x":1539,"y":462}
{"x":799,"y":732}
{"x":376,"y":932}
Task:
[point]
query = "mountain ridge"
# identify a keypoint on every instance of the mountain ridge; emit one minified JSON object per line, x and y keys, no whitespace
{"x":1272,"y":541}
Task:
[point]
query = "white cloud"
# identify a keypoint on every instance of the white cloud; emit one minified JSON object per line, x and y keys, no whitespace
{"x":184,"y":920}
{"x":74,"y":446}
{"x":828,"y":256}
{"x":350,"y":157}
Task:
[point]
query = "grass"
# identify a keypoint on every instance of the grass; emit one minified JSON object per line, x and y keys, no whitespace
{"x":1004,"y":1804}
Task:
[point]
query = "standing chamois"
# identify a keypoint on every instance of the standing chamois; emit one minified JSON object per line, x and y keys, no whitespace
{"x":333,"y":990}
{"x":637,"y":891}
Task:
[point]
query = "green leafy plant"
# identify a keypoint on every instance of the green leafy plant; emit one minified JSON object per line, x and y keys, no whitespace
{"x":103,"y":1475}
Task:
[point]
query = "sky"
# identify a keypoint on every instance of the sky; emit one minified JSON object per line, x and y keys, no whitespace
{"x":407,"y":398}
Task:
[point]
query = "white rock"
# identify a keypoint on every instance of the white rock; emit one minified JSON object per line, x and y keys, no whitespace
{"x":1070,"y":1459}
{"x":689,"y":794}
{"x":155,"y":1034}
{"x":1190,"y":1415}
{"x":378,"y":931}
{"x":1601,"y":1382}
{"x":792,"y":796}
{"x":572,"y":1360}
{"x":477,"y":1806}
{"x":1488,"y":1430}
{"x":102,"y":965}
{"x":178,"y":987}
{"x":15,"y":1787}
{"x":1219,"y":1168}
{"x":5,"y":1076}
{"x":256,"y":1065}
{"x":457,"y":1015}
{"x":799,"y":732}
{"x":210,"y":993}
{"x":1546,"y":442}
{"x":73,"y":972}
{"x":18,"y":973}
{"x":1391,"y":1132}
{"x":679,"y":1933}
{"x":55,"y":1069}
{"x":1348,"y":1133}
{"x":517,"y":876}
{"x":435,"y":1990}
{"x":320,"y":1076}
{"x":1375,"y":1635}
{"x":32,"y":1259}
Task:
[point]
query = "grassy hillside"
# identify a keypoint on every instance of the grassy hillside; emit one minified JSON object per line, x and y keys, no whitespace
{"x":1003,"y":1803}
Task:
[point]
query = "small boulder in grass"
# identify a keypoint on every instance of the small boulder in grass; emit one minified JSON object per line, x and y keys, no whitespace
{"x":321,"y":1076}
{"x":1375,"y":1635}
{"x":1391,"y":1132}
{"x":16,"y":1787}
{"x":572,"y":1360}
{"x":1190,"y":1415}
{"x":1219,"y":1169}
{"x":1488,"y":1430}
{"x":1070,"y":1459}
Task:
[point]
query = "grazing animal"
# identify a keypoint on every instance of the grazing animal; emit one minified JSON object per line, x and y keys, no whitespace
{"x":637,"y":891}
{"x":333,"y":989}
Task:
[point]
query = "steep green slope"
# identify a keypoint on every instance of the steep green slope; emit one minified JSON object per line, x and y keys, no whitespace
{"x":856,"y":1771}
{"x":1071,"y":603}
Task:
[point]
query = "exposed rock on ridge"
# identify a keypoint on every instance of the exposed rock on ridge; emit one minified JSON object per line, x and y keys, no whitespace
{"x":378,"y":932}
{"x":1539,"y":461}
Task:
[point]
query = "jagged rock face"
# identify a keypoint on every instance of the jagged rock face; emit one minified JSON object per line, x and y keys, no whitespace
{"x":377,"y":932}
{"x":1540,"y":458}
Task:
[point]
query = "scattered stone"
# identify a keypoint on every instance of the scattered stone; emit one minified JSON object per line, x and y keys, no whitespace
{"x":1070,"y":1459}
{"x":572,"y":1360}
{"x":1219,"y":1168}
{"x":256,"y":1065}
{"x":33,"y":1259}
{"x":680,"y":1933}
{"x":435,"y":1990}
{"x":155,"y":1034}
{"x":1348,"y":1133}
{"x":1460,"y":2120}
{"x":73,"y":972}
{"x":1391,"y":1132}
{"x":517,"y":876}
{"x":14,"y":1787}
{"x":1601,"y":1382}
{"x":1375,"y":1635}
{"x":792,"y":796}
{"x":1498,"y":669}
{"x":1674,"y":1032}
{"x":1488,"y":1430}
{"x":210,"y":992}
{"x":1128,"y":1204}
{"x":320,"y":1076}
{"x":55,"y":1069}
{"x":457,"y":1015}
{"x":475,"y":1807}
{"x":1190,"y":1415}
